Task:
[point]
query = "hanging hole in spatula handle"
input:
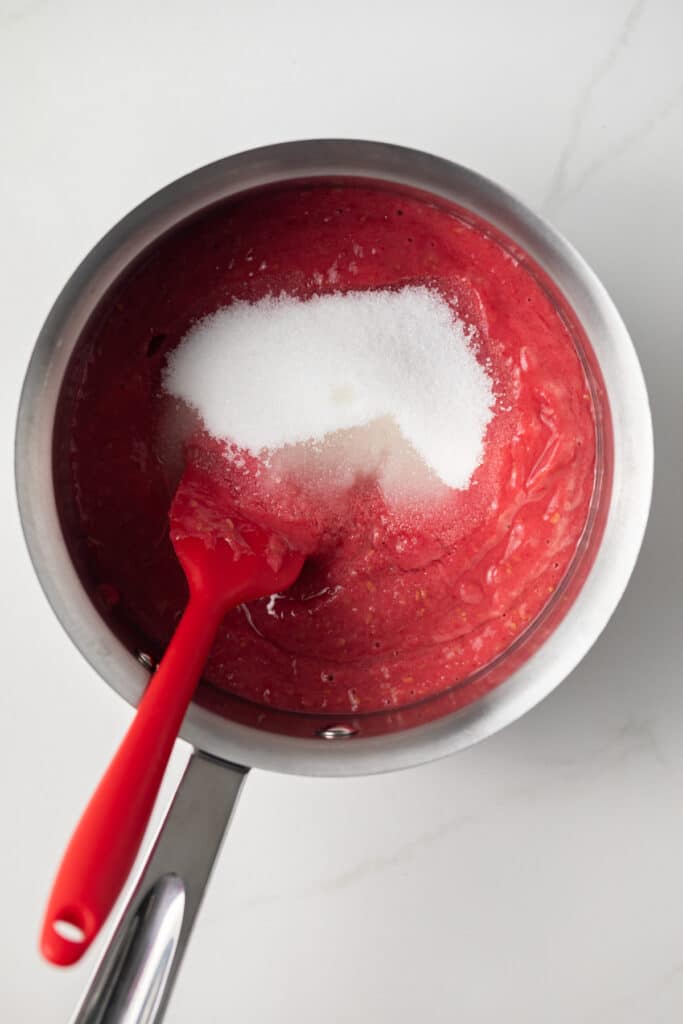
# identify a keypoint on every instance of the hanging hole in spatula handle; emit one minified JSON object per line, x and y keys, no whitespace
{"x":67,"y":933}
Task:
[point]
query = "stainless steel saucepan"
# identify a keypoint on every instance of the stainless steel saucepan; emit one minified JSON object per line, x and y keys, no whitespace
{"x":134,"y":978}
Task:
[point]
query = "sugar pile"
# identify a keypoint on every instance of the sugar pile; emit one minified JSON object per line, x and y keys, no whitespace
{"x":374,"y":382}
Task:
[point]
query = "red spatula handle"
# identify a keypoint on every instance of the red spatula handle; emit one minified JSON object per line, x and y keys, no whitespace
{"x":103,"y":847}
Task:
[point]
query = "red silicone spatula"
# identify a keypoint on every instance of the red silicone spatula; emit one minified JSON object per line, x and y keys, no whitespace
{"x":221,"y":574}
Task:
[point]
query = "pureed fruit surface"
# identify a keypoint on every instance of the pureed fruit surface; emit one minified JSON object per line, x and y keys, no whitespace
{"x":394,"y":605}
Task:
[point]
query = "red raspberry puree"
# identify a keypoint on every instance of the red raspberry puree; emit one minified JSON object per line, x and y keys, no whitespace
{"x":394,"y":604}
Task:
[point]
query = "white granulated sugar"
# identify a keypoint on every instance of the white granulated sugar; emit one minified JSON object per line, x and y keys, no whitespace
{"x":381,"y":382}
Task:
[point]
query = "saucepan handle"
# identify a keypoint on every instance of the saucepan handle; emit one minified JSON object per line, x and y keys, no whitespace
{"x":134,"y":979}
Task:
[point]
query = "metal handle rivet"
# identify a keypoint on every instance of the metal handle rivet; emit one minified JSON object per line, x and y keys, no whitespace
{"x":337,"y":732}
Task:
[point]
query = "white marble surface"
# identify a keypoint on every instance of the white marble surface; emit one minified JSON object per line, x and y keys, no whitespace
{"x":538,"y":876}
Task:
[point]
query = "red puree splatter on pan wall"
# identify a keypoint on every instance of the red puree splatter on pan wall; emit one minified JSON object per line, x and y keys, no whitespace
{"x":393,"y":606}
